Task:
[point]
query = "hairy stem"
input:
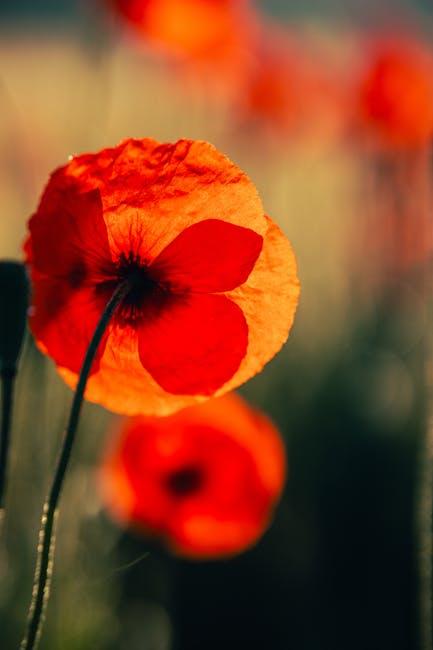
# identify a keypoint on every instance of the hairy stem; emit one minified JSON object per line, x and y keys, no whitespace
{"x":45,"y":549}
{"x":421,"y":196}
{"x":424,"y":512}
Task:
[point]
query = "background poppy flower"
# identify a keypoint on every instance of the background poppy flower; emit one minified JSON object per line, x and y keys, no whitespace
{"x":271,"y":90}
{"x":205,"y":479}
{"x":394,"y":115}
{"x":213,"y":285}
{"x":395,"y":95}
{"x":195,"y":29}
{"x":286,"y":87}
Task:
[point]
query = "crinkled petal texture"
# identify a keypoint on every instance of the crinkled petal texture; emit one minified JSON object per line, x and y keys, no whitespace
{"x":215,"y":283}
{"x":205,"y":479}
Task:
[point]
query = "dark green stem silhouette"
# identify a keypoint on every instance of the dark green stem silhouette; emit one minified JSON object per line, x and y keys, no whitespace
{"x":14,"y":296}
{"x":7,"y":390}
{"x":45,"y":551}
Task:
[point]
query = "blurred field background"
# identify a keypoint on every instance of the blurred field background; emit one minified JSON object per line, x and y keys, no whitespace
{"x":338,"y":567}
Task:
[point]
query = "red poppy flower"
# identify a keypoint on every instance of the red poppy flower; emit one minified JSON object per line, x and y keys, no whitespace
{"x":196,"y":29}
{"x":213,"y":280}
{"x":204,"y":480}
{"x":270,"y":93}
{"x":396,"y":93}
{"x":286,"y":88}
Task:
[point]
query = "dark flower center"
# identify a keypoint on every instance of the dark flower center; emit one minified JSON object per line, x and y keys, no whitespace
{"x":141,"y":281}
{"x":185,"y":481}
{"x":147,"y":292}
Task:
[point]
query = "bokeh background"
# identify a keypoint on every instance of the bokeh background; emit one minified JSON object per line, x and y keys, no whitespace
{"x":337,"y":569}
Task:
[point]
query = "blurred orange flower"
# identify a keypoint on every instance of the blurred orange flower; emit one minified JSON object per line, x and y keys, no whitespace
{"x":195,"y":29}
{"x":205,"y":479}
{"x":287,"y":88}
{"x":212,"y":281}
{"x":271,"y":91}
{"x":395,"y":94}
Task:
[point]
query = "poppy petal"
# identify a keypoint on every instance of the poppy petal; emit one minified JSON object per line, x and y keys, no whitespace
{"x":122,"y":384}
{"x":151,"y":192}
{"x":211,"y":255}
{"x":68,"y":233}
{"x":270,"y":296}
{"x":64,"y":321}
{"x":195,"y":344}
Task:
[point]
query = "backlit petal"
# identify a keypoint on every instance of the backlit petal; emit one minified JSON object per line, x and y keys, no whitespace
{"x":195,"y":345}
{"x":63,"y":322}
{"x":209,"y":256}
{"x":270,"y":295}
{"x":68,"y":233}
{"x":268,"y":300}
{"x":151,"y":192}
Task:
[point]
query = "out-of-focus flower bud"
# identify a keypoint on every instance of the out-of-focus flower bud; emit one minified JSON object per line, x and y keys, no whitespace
{"x":14,"y":294}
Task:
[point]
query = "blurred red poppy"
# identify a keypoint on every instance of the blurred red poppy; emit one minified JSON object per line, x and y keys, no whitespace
{"x":287,"y":88}
{"x":195,"y":29}
{"x":395,"y":94}
{"x":212,"y":281}
{"x":205,"y":479}
{"x":270,"y":94}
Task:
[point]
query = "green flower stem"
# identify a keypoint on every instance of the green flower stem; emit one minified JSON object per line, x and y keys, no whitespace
{"x":45,"y":549}
{"x":424,"y":512}
{"x":424,"y":200}
{"x":7,"y":390}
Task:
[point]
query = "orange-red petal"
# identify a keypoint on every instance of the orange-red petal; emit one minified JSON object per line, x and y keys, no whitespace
{"x":268,"y":300}
{"x":195,"y":344}
{"x":63,"y":321}
{"x":151,"y":192}
{"x":210,"y":256}
{"x":270,"y":295}
{"x":68,"y":234}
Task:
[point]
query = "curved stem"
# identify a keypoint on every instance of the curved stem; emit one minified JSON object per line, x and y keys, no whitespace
{"x":7,"y":388}
{"x":45,"y":549}
{"x":424,"y":513}
{"x":418,"y":180}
